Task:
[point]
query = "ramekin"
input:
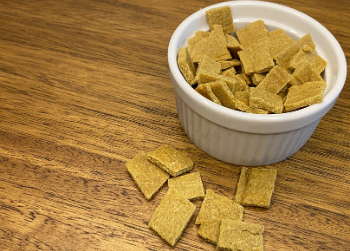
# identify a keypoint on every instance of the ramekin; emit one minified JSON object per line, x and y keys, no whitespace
{"x":254,"y":139}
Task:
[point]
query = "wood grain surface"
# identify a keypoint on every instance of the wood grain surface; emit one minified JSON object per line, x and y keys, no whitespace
{"x":84,"y":87}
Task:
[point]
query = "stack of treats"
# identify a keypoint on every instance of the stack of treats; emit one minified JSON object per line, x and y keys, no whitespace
{"x":252,"y":70}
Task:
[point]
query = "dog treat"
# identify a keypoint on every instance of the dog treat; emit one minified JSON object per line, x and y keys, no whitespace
{"x":255,"y":187}
{"x":278,"y":42}
{"x":171,"y":160}
{"x":202,"y":33}
{"x":209,"y":65}
{"x":223,"y":93}
{"x":186,"y":65}
{"x":148,"y":177}
{"x":252,"y":34}
{"x":306,"y":53}
{"x":210,"y":230}
{"x":284,"y":57}
{"x":257,"y":78}
{"x":221,"y":16}
{"x":226,"y":64}
{"x":256,"y":59}
{"x":189,"y":185}
{"x":230,"y":72}
{"x":304,"y":95}
{"x":265,"y":100}
{"x":275,"y":80}
{"x":217,"y":207}
{"x":242,"y":103}
{"x":206,"y":91}
{"x":214,"y":46}
{"x":233,"y":45}
{"x":275,"y":33}
{"x":242,"y":236}
{"x":172,"y":216}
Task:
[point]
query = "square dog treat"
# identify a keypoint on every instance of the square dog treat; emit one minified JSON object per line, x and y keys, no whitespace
{"x":148,"y":177}
{"x":252,"y":34}
{"x":265,"y":100}
{"x":230,"y":72}
{"x":256,"y":59}
{"x":240,"y":236}
{"x":202,"y":33}
{"x":225,"y":64}
{"x":257,"y":78}
{"x":255,"y":187}
{"x":210,"y":230}
{"x":304,"y":95}
{"x":223,"y":93}
{"x":172,"y":216}
{"x":233,"y":45}
{"x":284,"y":57}
{"x":189,"y":185}
{"x":221,"y":16}
{"x":275,"y":33}
{"x":217,"y":207}
{"x":214,"y":46}
{"x":242,"y":103}
{"x":302,"y":74}
{"x":306,"y":53}
{"x":206,"y":92}
{"x":275,"y":80}
{"x":171,"y":160}
{"x":209,"y":65}
{"x":186,"y":65}
{"x":278,"y":43}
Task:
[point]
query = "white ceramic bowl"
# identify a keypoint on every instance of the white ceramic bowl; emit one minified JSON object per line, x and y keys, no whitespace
{"x":253,"y":139}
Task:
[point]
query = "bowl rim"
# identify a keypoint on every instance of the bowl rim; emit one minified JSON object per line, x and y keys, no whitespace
{"x":247,"y":122}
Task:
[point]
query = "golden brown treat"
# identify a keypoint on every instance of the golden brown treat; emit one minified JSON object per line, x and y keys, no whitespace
{"x":257,"y":78}
{"x":240,"y":236}
{"x":252,"y":34}
{"x":265,"y":100}
{"x":225,"y":64}
{"x":217,"y":207}
{"x":304,"y":95}
{"x":148,"y":177}
{"x":204,"y":77}
{"x":210,"y":230}
{"x":214,"y":46}
{"x":202,"y":33}
{"x":284,"y":57}
{"x":221,"y":16}
{"x":256,"y":59}
{"x":209,"y":65}
{"x":302,"y":74}
{"x":255,"y":187}
{"x":306,"y":53}
{"x":242,"y":85}
{"x":171,"y":160}
{"x":235,"y":61}
{"x":275,"y":80}
{"x":189,"y":185}
{"x":230,"y":72}
{"x":206,"y":92}
{"x":186,"y":65}
{"x":172,"y":216}
{"x":283,"y":93}
{"x":278,"y":43}
{"x":233,"y":45}
{"x":275,"y":33}
{"x":242,"y":103}
{"x":223,"y":93}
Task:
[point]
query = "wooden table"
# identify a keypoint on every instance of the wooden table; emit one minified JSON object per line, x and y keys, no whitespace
{"x":84,"y":87}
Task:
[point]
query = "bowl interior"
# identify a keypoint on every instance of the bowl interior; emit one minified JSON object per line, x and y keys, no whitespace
{"x":296,"y":25}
